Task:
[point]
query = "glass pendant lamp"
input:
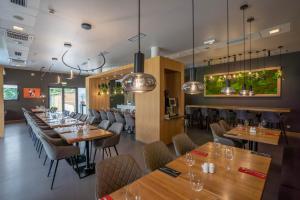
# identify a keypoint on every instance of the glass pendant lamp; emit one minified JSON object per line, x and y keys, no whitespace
{"x":251,"y":91}
{"x":244,"y":91}
{"x":192,"y":86}
{"x":139,"y":81}
{"x":228,"y":90}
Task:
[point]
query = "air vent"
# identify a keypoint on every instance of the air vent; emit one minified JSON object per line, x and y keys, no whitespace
{"x":136,"y":37}
{"x":18,"y":53}
{"x":17,"y":61}
{"x":22,"y":3}
{"x":17,"y":35}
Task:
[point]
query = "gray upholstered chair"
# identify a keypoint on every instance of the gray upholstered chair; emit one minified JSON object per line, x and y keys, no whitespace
{"x":119,"y":118}
{"x":115,"y":173}
{"x":83,"y":117}
{"x":97,"y":115}
{"x":110,"y":116}
{"x":218,"y":132}
{"x":77,"y":116}
{"x":104,"y":124}
{"x":224,"y":125}
{"x":57,"y":150}
{"x":129,"y":122}
{"x":91,"y":119}
{"x":106,"y":143}
{"x":156,"y":155}
{"x":103,"y":115}
{"x":72,"y":114}
{"x":183,"y":144}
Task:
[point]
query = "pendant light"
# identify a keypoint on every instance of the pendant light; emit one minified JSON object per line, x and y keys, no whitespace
{"x":193,"y":86}
{"x":139,"y":81}
{"x":244,"y":91}
{"x":228,"y":90}
{"x":71,"y":75}
{"x":280,"y":72}
{"x":251,"y":92}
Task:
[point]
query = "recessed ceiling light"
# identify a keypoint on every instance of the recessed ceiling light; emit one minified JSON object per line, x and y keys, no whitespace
{"x":209,"y":42}
{"x":18,"y":28}
{"x":273,"y":31}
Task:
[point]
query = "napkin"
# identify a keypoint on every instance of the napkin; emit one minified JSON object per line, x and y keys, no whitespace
{"x":107,"y":197}
{"x":252,"y":172}
{"x":199,"y":153}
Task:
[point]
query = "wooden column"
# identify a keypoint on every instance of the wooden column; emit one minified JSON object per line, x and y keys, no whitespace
{"x":1,"y":104}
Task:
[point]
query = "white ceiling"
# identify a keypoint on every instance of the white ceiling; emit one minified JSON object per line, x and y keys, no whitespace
{"x":167,"y":24}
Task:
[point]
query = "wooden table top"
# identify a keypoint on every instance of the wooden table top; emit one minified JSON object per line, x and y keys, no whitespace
{"x":55,"y":123}
{"x":38,"y":110}
{"x":73,"y":137}
{"x":249,"y":108}
{"x":263,"y":135}
{"x":222,"y":184}
{"x":68,"y":129}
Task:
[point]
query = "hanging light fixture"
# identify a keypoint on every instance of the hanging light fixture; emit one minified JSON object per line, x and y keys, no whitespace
{"x":228,"y":90}
{"x":244,"y":91}
{"x":193,"y":86}
{"x":139,"y":81}
{"x":251,"y":91}
{"x":280,"y":73}
{"x":71,"y":75}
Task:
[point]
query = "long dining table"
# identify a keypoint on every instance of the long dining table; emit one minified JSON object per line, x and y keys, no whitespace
{"x":245,"y":180}
{"x":55,"y":123}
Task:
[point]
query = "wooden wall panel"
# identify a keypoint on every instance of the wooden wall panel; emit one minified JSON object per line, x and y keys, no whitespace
{"x":1,"y":104}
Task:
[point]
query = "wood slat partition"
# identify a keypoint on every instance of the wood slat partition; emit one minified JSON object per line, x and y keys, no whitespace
{"x":1,"y":104}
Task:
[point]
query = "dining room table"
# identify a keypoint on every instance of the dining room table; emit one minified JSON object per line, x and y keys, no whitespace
{"x":260,"y":135}
{"x":55,"y":122}
{"x":244,"y":179}
{"x":79,"y":135}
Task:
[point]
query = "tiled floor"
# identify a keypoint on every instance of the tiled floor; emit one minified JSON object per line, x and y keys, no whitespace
{"x":23,"y":176}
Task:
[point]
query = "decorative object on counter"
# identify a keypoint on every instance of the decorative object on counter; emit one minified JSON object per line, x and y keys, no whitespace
{"x":139,"y":81}
{"x":193,"y":86}
{"x":228,"y":90}
{"x":269,"y":86}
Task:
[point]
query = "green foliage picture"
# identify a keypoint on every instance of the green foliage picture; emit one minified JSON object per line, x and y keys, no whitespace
{"x":10,"y":92}
{"x":266,"y":82}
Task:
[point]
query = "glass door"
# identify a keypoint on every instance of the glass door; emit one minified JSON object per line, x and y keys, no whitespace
{"x":70,"y":99}
{"x":55,"y":98}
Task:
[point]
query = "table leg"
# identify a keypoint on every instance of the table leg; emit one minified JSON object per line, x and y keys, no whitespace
{"x":255,"y":146}
{"x":87,"y":151}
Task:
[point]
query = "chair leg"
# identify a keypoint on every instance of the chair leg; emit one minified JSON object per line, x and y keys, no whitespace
{"x":109,"y":151}
{"x":50,"y":167}
{"x":54,"y":174}
{"x":103,"y":154}
{"x":46,"y":157}
{"x":95,"y":154}
{"x":41,"y":149}
{"x":116,"y":150}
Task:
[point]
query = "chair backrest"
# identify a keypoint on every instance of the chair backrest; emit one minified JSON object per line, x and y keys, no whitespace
{"x":90,"y":112}
{"x":77,"y":116}
{"x":96,"y":114}
{"x":130,"y":122}
{"x":270,"y":117}
{"x":119,"y":117}
{"x":224,"y":114}
{"x":110,"y":116}
{"x":115,"y":173}
{"x":224,"y":125}
{"x":116,"y":128}
{"x":216,"y":130}
{"x":103,"y":115}
{"x":91,"y":120}
{"x":204,"y":112}
{"x":156,"y":155}
{"x":241,"y":115}
{"x":182,"y":144}
{"x":83,"y":117}
{"x":104,"y":124}
{"x":72,"y":114}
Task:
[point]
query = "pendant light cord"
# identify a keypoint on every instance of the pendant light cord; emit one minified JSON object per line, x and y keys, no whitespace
{"x":228,"y":66}
{"x":192,"y":72}
{"x":139,"y":25}
{"x":244,"y":30}
{"x":250,"y":53}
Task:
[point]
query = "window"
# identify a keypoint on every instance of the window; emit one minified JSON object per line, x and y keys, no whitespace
{"x":63,"y":98}
{"x":81,"y":100}
{"x":55,"y":98}
{"x":10,"y":92}
{"x":70,"y":99}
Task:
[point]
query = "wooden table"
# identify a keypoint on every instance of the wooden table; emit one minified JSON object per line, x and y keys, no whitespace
{"x":249,"y":108}
{"x":263,"y":135}
{"x":38,"y":110}
{"x":73,"y":137}
{"x":55,"y":123}
{"x":222,"y":184}
{"x":68,"y":129}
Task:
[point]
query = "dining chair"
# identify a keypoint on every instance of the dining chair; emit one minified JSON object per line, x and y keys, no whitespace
{"x":104,"y":124}
{"x":91,"y":120}
{"x":119,"y":117}
{"x":156,"y":155}
{"x":77,"y":116}
{"x":106,"y":143}
{"x":110,"y":116}
{"x":103,"y":115}
{"x":183,"y":144}
{"x":57,"y":152}
{"x":218,"y":132}
{"x":226,"y":127}
{"x":129,"y":122}
{"x":97,"y":116}
{"x":83,"y":117}
{"x":72,"y":114}
{"x":115,"y":173}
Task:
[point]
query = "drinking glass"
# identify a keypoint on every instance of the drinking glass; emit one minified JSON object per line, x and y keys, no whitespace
{"x":132,"y":193}
{"x":228,"y":157}
{"x":189,"y":160}
{"x":196,"y":182}
{"x":217,"y":149}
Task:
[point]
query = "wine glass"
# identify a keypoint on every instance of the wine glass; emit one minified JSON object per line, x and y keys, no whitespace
{"x":228,"y":157}
{"x":217,"y":148}
{"x":196,"y":182}
{"x":132,"y":193}
{"x":189,"y":160}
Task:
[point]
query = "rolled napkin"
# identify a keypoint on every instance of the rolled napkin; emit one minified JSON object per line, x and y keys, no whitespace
{"x":252,"y":172}
{"x":107,"y":197}
{"x":199,"y":153}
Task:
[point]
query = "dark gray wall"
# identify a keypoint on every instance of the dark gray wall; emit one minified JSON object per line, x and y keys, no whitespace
{"x":290,"y":92}
{"x":23,"y":79}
